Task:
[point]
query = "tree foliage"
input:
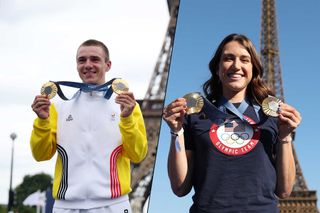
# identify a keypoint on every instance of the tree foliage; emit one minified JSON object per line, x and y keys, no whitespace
{"x":29,"y":185}
{"x":3,"y":209}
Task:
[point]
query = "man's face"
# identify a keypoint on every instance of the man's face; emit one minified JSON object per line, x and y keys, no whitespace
{"x":92,"y":65}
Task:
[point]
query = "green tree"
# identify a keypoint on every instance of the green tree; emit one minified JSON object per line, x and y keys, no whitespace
{"x":3,"y":209}
{"x":29,"y":185}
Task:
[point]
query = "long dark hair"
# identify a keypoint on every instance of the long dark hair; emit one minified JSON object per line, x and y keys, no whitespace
{"x":257,"y":88}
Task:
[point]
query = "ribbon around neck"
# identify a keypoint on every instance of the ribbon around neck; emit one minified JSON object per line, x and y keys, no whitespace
{"x":223,"y":104}
{"x":85,"y":87}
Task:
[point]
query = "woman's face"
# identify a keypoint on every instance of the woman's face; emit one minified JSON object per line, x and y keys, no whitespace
{"x":235,"y":69}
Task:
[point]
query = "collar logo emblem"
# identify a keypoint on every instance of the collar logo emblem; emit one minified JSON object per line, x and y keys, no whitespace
{"x":113,"y":116}
{"x":69,"y":118}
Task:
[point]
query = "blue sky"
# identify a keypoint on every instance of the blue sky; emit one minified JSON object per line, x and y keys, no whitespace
{"x":200,"y":28}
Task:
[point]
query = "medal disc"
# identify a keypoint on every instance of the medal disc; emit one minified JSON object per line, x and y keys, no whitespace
{"x":271,"y":105}
{"x":194,"y":102}
{"x":49,"y":89}
{"x":119,"y":86}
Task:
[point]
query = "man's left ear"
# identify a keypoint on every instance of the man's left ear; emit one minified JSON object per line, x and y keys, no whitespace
{"x":108,"y":65}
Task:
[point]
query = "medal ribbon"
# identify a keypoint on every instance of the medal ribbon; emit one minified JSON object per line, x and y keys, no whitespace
{"x":213,"y":113}
{"x":85,"y":88}
{"x":224,"y":104}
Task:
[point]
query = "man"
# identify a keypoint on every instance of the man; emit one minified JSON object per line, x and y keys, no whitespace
{"x":96,"y":138}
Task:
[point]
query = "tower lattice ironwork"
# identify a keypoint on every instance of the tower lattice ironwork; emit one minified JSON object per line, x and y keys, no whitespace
{"x":151,"y":107}
{"x":302,"y":200}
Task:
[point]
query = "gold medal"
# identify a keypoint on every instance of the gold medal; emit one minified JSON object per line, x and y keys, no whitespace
{"x":49,"y":89}
{"x":271,"y":105}
{"x":119,"y":86}
{"x":194,"y":102}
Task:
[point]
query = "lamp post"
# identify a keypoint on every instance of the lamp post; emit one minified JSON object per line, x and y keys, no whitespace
{"x":13,"y":136}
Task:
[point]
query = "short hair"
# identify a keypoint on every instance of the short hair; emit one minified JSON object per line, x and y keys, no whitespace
{"x":257,"y":88}
{"x":93,"y":42}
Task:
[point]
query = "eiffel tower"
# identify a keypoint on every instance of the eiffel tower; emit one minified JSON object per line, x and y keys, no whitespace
{"x":302,"y":200}
{"x":151,"y":107}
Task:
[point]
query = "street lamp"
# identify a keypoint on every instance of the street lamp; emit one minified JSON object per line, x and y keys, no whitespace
{"x":13,"y":136}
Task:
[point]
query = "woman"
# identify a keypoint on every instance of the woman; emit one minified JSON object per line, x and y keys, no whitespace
{"x":237,"y":158}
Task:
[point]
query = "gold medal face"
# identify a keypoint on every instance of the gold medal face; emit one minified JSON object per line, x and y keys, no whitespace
{"x":270,"y":106}
{"x":194,"y":102}
{"x":49,"y":89}
{"x":119,"y":86}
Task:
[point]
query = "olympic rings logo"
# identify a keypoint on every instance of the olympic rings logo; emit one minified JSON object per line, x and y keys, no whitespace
{"x":238,"y":138}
